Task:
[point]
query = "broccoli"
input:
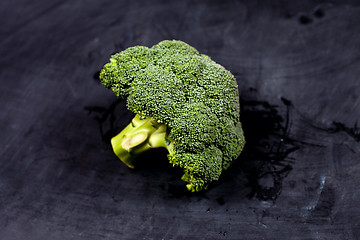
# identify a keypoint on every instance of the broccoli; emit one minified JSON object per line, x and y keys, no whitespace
{"x":182,"y":101}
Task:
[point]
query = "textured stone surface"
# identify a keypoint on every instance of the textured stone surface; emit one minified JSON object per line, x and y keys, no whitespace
{"x":297,"y":65}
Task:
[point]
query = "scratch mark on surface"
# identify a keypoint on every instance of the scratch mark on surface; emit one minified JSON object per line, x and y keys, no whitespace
{"x":73,"y":93}
{"x":314,"y":203}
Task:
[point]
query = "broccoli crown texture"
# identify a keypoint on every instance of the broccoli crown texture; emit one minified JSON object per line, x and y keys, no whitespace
{"x":183,"y":98}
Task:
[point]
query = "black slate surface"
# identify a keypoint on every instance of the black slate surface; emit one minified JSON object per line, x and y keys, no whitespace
{"x":298,"y":69}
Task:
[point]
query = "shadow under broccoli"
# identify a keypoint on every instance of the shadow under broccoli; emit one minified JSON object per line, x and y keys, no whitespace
{"x":184,"y":102}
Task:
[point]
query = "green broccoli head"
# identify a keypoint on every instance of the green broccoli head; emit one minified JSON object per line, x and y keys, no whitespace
{"x":183,"y":101}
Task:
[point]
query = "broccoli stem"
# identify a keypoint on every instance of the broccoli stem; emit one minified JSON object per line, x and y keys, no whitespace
{"x":139,"y":136}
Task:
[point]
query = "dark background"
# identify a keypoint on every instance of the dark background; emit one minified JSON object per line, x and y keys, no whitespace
{"x":298,"y":70}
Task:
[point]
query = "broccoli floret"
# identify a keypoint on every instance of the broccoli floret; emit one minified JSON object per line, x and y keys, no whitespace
{"x":183,"y":101}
